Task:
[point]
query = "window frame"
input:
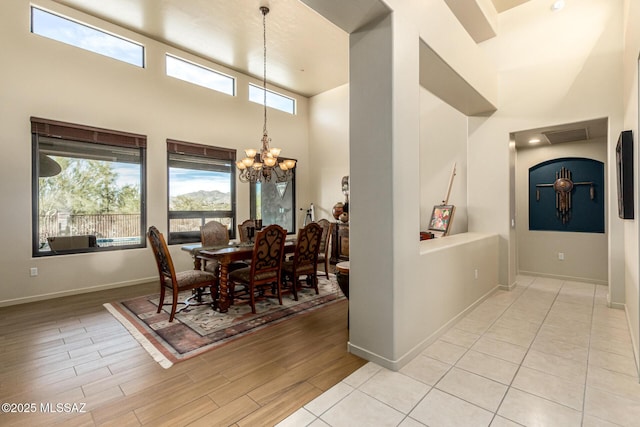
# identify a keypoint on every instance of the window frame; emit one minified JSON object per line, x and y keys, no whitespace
{"x":140,"y":63}
{"x":91,"y":135}
{"x":207,"y":151}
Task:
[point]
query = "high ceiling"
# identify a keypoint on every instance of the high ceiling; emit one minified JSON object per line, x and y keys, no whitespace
{"x":306,"y":54}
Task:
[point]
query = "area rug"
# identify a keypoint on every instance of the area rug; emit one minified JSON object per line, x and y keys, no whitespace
{"x":200,"y":329}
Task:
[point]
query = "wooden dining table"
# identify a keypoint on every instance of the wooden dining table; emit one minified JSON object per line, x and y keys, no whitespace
{"x":225,"y":256}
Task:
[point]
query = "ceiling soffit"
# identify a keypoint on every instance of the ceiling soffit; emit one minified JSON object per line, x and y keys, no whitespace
{"x":479,"y":17}
{"x":584,"y":131}
{"x":440,"y":79}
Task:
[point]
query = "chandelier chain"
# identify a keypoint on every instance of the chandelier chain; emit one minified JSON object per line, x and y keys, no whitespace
{"x":264,"y":10}
{"x":263,"y":165}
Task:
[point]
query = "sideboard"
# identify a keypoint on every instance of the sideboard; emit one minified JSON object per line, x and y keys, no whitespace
{"x":340,"y":243}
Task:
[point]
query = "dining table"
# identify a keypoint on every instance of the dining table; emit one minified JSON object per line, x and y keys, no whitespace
{"x":225,"y":255}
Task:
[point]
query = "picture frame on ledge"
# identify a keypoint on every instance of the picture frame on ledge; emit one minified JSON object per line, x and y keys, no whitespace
{"x":441,"y":218}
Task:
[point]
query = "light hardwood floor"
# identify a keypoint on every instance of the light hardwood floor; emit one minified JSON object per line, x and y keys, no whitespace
{"x":72,"y":351}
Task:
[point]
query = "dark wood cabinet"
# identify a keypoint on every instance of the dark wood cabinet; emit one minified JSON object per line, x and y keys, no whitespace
{"x":340,"y":242}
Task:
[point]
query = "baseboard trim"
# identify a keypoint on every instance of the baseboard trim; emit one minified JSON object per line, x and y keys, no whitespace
{"x":397,"y":364}
{"x":561,"y":277}
{"x":52,"y":295}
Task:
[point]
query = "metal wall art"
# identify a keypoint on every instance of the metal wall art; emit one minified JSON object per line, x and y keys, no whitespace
{"x":563,"y":186}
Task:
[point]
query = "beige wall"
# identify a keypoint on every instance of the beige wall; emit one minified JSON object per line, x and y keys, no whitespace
{"x":328,"y":148}
{"x":553,"y":68}
{"x":384,"y":138}
{"x":585,"y":253}
{"x":44,"y":78}
{"x":443,"y":143}
{"x":631,"y":228}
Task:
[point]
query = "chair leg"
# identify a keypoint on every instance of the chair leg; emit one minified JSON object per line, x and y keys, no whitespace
{"x":161,"y":302}
{"x":252,"y":299}
{"x":279,"y":290}
{"x":326,"y":267}
{"x":174,"y":305}
{"x":294,"y":287}
{"x":215,"y":294}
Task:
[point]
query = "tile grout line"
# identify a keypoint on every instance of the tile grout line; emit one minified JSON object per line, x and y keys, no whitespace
{"x":586,"y":374}
{"x":528,"y":349}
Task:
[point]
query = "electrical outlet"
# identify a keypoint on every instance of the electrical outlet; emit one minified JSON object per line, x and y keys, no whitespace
{"x":33,"y":271}
{"x":561,"y":256}
{"x":475,"y":273}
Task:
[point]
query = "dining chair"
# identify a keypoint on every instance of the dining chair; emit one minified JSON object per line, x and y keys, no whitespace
{"x":265,"y":269}
{"x":243,"y":230}
{"x":323,"y":253}
{"x":305,"y":259}
{"x":213,"y":234}
{"x":177,"y":282}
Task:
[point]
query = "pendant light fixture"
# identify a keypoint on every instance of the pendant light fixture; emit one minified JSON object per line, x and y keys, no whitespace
{"x":263,"y":165}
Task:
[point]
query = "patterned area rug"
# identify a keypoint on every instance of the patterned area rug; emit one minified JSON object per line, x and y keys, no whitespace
{"x":200,"y":329}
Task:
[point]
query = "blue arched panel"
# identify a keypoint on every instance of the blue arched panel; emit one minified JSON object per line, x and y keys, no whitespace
{"x":586,"y":215}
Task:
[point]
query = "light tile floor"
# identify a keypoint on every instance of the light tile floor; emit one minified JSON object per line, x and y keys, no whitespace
{"x":548,"y":353}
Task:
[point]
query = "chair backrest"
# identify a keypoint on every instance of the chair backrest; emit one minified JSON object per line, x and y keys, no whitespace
{"x":162,"y":255}
{"x":268,"y":252}
{"x":213,"y":233}
{"x":305,"y":259}
{"x":243,"y":229}
{"x":326,"y":234}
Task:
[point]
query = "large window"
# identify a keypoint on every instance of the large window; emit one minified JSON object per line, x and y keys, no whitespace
{"x":201,"y":188}
{"x":79,"y":35}
{"x":88,"y":188}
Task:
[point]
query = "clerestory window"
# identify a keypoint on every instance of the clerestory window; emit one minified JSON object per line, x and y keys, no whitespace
{"x":199,"y":75}
{"x":274,"y":99}
{"x":76,"y":34}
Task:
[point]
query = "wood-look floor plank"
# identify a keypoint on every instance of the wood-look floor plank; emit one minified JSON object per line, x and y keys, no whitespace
{"x":185,"y":416}
{"x":228,"y":414}
{"x":71,"y":350}
{"x":281,"y":406}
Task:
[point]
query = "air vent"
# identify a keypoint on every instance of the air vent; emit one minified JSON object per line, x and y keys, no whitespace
{"x":556,"y":137}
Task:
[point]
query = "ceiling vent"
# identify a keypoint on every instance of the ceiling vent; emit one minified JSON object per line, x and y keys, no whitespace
{"x":571,"y":135}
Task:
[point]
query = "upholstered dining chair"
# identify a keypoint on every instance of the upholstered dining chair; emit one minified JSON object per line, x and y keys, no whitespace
{"x":212,"y":234}
{"x":265,"y":269}
{"x":243,"y":230}
{"x":305,"y":259}
{"x":323,"y":253}
{"x":180,"y":281}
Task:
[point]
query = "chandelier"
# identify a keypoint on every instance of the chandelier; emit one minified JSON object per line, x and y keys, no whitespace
{"x":263,"y":164}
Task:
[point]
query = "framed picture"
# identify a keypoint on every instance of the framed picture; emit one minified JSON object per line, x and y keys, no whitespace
{"x":624,"y":163}
{"x":441,"y":218}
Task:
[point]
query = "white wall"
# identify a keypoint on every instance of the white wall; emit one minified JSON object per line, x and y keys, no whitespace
{"x":44,"y":78}
{"x":443,"y":143}
{"x":328,"y":148}
{"x":631,"y":228}
{"x":585,"y":253}
{"x":553,"y":68}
